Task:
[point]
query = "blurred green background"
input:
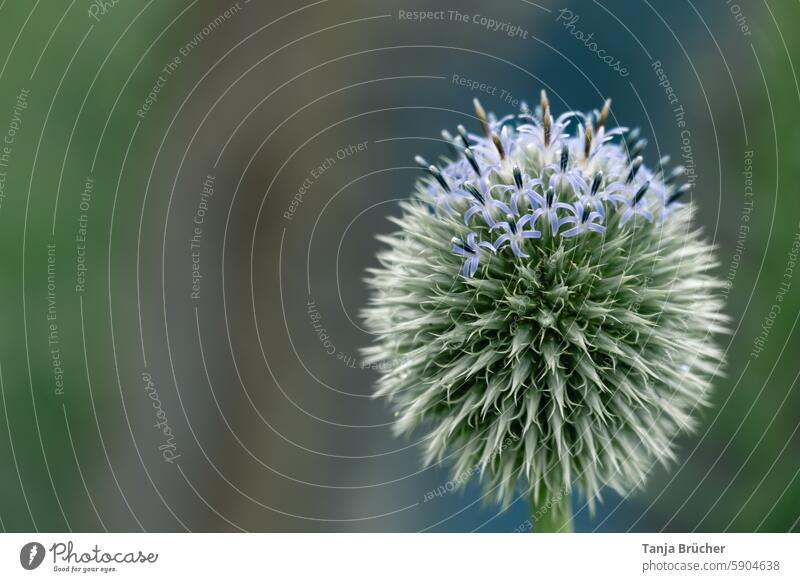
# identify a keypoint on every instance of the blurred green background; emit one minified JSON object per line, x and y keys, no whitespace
{"x":160,"y":368}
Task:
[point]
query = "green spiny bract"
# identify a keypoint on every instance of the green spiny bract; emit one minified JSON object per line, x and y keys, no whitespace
{"x":547,"y":307}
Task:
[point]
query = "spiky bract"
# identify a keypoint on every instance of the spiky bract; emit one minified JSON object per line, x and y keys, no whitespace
{"x":573,"y":356}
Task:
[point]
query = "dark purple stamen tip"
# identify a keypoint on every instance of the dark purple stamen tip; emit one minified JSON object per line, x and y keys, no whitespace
{"x":472,"y":161}
{"x":518,"y":178}
{"x":462,"y":246}
{"x":635,"y":165}
{"x":638,"y":148}
{"x":451,"y":143}
{"x":598,"y":178}
{"x":512,"y":226}
{"x":633,"y":135}
{"x":678,"y":194}
{"x":640,"y":193}
{"x":439,"y":178}
{"x":662,"y":165}
{"x":475,"y":192}
{"x":676,"y":173}
{"x":462,"y":133}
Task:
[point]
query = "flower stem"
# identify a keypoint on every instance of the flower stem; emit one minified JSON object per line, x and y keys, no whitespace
{"x":551,"y":512}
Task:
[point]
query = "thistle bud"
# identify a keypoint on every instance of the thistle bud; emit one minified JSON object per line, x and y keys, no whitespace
{"x":544,"y":342}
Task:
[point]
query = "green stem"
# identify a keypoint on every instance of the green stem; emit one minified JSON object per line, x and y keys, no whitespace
{"x":551,"y":512}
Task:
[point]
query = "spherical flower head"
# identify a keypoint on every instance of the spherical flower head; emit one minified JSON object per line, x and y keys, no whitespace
{"x":549,"y":307}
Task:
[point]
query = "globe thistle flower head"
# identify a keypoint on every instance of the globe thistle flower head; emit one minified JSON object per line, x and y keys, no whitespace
{"x":549,"y":306}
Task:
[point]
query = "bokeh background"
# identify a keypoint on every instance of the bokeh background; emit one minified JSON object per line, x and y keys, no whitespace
{"x":163,"y":378}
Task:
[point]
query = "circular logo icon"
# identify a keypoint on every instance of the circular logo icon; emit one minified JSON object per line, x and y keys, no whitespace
{"x":31,"y":555}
